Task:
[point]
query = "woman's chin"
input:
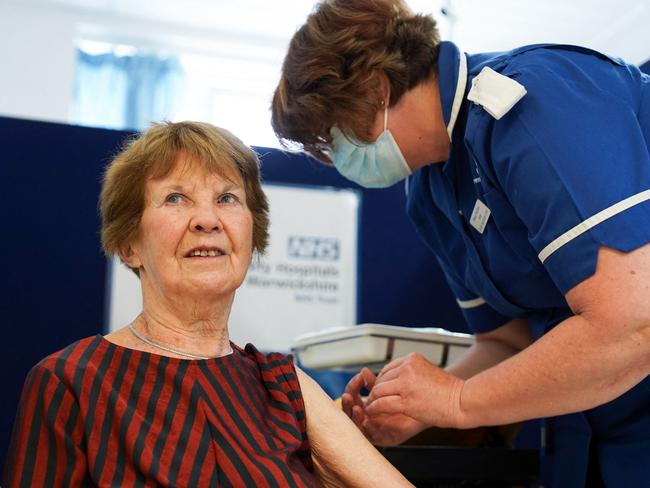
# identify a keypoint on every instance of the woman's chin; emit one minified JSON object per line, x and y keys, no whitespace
{"x":208,"y":288}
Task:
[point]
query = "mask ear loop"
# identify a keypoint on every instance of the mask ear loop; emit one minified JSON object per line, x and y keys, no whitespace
{"x":385,"y":118}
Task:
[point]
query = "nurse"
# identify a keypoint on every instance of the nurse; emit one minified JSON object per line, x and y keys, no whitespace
{"x":528,"y":175}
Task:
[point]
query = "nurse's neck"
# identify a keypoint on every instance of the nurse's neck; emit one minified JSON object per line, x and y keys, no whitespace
{"x":424,"y":137}
{"x":440,"y":137}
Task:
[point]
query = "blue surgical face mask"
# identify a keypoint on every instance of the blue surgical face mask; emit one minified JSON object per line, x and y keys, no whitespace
{"x":376,"y":165}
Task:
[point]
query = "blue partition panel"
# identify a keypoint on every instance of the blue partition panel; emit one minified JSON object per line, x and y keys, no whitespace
{"x":52,"y":290}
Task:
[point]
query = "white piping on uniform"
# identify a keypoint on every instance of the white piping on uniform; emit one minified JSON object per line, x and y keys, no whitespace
{"x":593,"y":221}
{"x":460,"y":93}
{"x":476,"y":302}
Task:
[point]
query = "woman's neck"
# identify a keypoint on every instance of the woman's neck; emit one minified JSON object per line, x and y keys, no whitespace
{"x":198,"y":326}
{"x":200,"y":337}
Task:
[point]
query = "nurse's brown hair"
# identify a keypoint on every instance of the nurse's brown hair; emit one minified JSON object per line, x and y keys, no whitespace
{"x":334,"y":66}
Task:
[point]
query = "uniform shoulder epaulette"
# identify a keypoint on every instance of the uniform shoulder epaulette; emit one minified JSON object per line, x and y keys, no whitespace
{"x":496,"y":93}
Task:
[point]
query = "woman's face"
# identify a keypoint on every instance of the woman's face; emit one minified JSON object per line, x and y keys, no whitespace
{"x":196,"y":234}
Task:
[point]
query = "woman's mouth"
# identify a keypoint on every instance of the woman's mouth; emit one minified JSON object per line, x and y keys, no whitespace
{"x":203,"y":252}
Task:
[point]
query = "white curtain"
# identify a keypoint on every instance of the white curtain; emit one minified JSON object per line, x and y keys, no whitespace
{"x":125,"y":92}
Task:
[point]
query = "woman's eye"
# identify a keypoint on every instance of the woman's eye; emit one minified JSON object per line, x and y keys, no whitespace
{"x":174,"y":198}
{"x":227,"y":198}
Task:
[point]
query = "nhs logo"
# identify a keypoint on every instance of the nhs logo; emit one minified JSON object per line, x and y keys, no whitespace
{"x":319,"y":248}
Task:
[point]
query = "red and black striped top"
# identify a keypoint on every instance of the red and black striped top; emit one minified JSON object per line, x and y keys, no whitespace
{"x":98,"y":414}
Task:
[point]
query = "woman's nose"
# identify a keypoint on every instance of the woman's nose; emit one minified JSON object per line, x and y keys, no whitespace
{"x":206,"y":218}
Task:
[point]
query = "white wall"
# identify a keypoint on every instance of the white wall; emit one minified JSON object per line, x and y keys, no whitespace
{"x":36,"y":62}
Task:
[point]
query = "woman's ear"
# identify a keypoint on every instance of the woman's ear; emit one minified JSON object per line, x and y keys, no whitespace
{"x":129,"y":257}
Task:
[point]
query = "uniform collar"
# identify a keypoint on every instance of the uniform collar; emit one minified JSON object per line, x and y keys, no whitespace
{"x":452,"y":82}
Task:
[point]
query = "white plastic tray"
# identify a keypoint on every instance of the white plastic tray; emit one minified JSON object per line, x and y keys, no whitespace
{"x":373,"y":345}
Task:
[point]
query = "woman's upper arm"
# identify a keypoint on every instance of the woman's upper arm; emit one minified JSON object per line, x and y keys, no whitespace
{"x":342,"y":455}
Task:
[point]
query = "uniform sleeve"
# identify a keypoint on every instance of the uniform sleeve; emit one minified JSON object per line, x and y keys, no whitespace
{"x":573,"y":160}
{"x":46,"y":443}
{"x":480,"y":317}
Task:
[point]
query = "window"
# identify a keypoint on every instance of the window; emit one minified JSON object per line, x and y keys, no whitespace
{"x":122,"y":87}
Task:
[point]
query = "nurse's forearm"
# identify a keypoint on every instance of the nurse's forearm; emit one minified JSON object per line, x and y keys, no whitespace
{"x":576,"y":366}
{"x":479,"y":357}
{"x":491,"y":348}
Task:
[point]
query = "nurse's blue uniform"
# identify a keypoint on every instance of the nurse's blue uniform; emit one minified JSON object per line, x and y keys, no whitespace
{"x":563,"y":172}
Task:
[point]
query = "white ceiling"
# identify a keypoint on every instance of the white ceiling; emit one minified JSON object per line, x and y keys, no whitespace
{"x":620,"y":27}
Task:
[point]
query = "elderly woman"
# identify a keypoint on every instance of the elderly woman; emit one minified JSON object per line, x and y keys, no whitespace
{"x":528,"y":176}
{"x":168,"y":400}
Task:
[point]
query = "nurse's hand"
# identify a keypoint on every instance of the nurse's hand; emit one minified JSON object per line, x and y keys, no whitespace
{"x":352,"y":401}
{"x":413,"y":388}
{"x":380,"y":430}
